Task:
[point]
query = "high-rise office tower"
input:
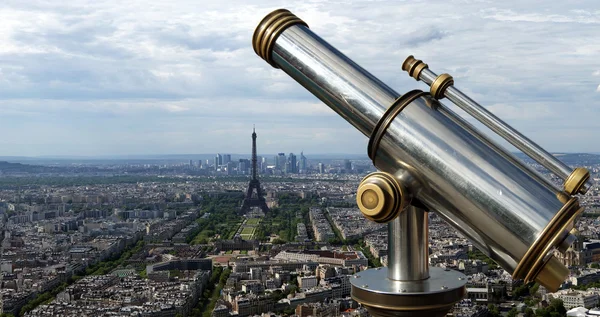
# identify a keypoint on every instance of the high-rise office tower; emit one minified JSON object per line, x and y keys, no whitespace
{"x":226,"y":158}
{"x":218,"y":161}
{"x":243,"y":166}
{"x":291,"y":166}
{"x":259,"y":164}
{"x":230,"y":168}
{"x":321,"y":168}
{"x":347,"y":166}
{"x":302,"y":165}
{"x":281,"y":160}
{"x":191,"y":163}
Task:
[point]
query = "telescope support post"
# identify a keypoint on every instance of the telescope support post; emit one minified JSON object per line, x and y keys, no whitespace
{"x":408,"y":286}
{"x":408,"y":249}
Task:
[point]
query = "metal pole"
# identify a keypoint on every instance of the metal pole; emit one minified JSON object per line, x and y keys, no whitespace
{"x":408,"y":246}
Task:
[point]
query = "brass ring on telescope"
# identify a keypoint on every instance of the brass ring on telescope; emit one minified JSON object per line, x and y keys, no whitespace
{"x":413,"y":66}
{"x":543,"y":259}
{"x":534,"y":259}
{"x":387,"y":118}
{"x":269,"y":29}
{"x":576,"y":181}
{"x":440,"y":84}
{"x":535,"y":252}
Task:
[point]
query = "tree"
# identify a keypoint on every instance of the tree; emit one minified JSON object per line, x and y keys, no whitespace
{"x":493,"y":311}
{"x":529,"y":312}
{"x":278,"y":241}
{"x":521,"y":290}
{"x":557,"y":306}
{"x":534,"y":289}
{"x":512,"y":313}
{"x":555,"y":309}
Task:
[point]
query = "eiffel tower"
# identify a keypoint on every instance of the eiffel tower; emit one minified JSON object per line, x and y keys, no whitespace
{"x":254,"y":195}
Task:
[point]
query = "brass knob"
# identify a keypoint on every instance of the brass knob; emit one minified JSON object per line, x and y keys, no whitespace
{"x":413,"y":66}
{"x":575,"y":182}
{"x":380,"y":197}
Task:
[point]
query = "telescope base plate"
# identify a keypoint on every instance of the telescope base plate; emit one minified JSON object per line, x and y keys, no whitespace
{"x":383,"y":297}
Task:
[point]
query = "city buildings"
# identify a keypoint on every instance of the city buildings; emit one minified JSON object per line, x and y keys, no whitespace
{"x":122,"y":247}
{"x":320,"y":225}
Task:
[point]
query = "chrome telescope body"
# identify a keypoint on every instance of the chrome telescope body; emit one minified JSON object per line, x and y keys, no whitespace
{"x":437,"y":160}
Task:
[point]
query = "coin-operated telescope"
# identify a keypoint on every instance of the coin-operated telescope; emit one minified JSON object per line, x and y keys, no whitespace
{"x":430,"y":159}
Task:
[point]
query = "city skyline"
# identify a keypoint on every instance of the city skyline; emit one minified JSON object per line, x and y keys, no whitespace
{"x":143,"y":78}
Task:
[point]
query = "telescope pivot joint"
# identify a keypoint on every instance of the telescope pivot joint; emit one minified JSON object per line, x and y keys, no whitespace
{"x":381,"y":198}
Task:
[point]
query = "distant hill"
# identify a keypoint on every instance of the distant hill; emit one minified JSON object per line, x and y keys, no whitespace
{"x":8,"y":167}
{"x":49,"y":164}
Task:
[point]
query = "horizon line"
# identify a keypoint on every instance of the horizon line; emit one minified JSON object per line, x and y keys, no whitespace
{"x":124,"y":156}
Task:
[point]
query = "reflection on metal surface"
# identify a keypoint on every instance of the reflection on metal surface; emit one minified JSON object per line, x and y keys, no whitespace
{"x":408,"y":246}
{"x":269,"y":29}
{"x":387,"y":119}
{"x":440,"y":88}
{"x":499,"y":206}
{"x":505,"y":208}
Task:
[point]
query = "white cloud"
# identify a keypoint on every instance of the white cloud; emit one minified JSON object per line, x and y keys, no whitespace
{"x":109,"y":62}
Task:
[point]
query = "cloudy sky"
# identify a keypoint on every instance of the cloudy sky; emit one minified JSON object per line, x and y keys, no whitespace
{"x":117,"y":77}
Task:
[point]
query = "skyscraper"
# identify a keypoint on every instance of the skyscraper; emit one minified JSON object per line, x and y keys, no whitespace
{"x":281,"y":160}
{"x":243,"y":166}
{"x":226,"y":159}
{"x":347,"y":166}
{"x":260,"y":165}
{"x":291,"y":166}
{"x":218,"y":161}
{"x":302,"y":164}
{"x":321,"y":168}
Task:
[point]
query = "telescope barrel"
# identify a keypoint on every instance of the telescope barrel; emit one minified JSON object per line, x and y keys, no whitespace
{"x":496,"y":201}
{"x":351,"y":91}
{"x":443,"y":86}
